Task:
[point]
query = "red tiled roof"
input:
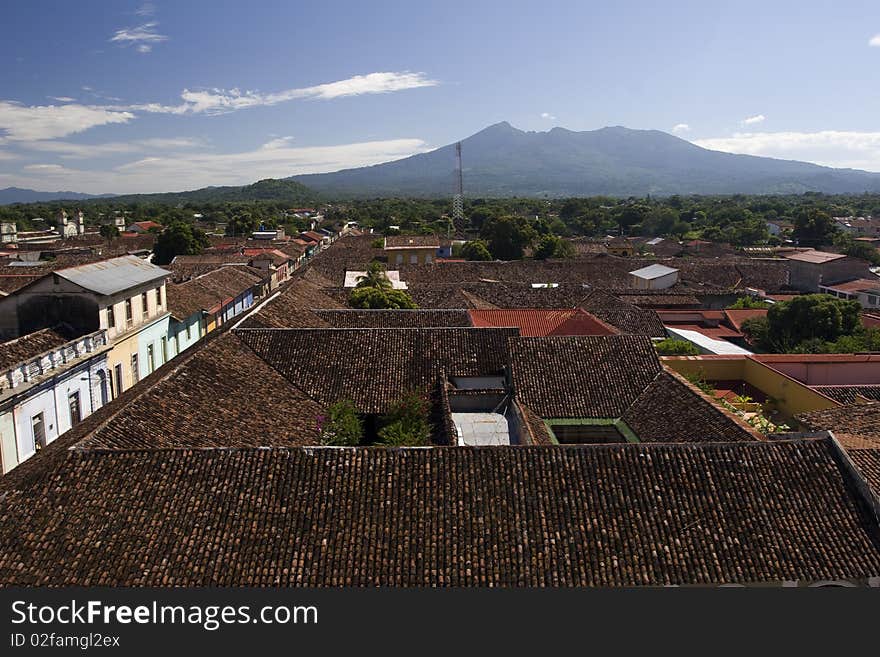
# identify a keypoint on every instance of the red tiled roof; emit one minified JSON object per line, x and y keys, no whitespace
{"x":858,"y":285}
{"x":146,"y":225}
{"x":539,"y":322}
{"x":736,"y":317}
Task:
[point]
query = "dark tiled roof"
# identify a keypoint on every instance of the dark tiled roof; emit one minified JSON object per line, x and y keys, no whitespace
{"x":222,"y":396}
{"x":858,"y":419}
{"x":26,"y":347}
{"x":671,"y":410}
{"x":623,"y":315}
{"x":581,"y":377}
{"x":612,"y":515}
{"x":375,"y":367}
{"x":868,"y":463}
{"x":292,"y":308}
{"x":209,"y":290}
{"x":394,"y":318}
{"x":412,"y":242}
{"x":850,"y":394}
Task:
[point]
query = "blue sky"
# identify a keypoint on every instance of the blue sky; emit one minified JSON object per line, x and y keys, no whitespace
{"x":139,"y":97}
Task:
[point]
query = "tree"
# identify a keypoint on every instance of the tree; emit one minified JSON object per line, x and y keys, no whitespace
{"x":475,"y":250}
{"x":813,"y":227}
{"x":748,"y":303}
{"x":375,"y":277}
{"x":546,"y":247}
{"x":108,"y":231}
{"x":508,"y":236}
{"x":805,"y":319}
{"x":178,"y":239}
{"x":406,"y":423}
{"x":551,"y":246}
{"x":380,"y":299}
{"x":850,"y":247}
{"x":242,"y":224}
{"x":342,"y":426}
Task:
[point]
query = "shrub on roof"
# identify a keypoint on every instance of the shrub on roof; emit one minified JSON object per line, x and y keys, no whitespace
{"x":342,"y":426}
{"x":406,"y":424}
{"x":673,"y":347}
{"x":370,"y":298}
{"x":748,"y":303}
{"x":475,"y":250}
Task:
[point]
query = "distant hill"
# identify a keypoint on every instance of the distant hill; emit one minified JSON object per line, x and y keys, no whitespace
{"x":18,"y":195}
{"x":502,"y":161}
{"x":284,"y":191}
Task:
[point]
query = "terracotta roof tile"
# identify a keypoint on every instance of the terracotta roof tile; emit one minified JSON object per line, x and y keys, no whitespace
{"x":611,"y":515}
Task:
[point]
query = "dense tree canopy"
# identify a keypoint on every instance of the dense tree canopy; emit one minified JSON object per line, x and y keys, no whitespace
{"x":178,"y":239}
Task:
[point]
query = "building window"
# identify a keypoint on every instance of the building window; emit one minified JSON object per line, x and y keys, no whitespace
{"x":118,"y":376}
{"x":38,"y":427}
{"x":135,"y":372}
{"x":414,"y":259}
{"x":105,"y":391}
{"x":75,"y":411}
{"x":159,"y":298}
{"x":145,"y":309}
{"x":129,"y":317}
{"x":177,"y":342}
{"x":151,"y":359}
{"x":164,"y":349}
{"x":111,"y":318}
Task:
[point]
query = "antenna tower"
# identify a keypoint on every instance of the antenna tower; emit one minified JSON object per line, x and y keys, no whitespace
{"x":458,"y":198}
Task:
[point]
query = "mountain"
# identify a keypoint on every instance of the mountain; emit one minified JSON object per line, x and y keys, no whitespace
{"x":284,"y":191}
{"x":504,"y":161}
{"x":17,"y":195}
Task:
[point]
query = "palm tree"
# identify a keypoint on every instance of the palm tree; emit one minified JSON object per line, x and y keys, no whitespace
{"x":375,"y":277}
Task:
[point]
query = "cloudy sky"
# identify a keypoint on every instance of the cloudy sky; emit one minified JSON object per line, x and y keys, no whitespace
{"x":121,"y":96}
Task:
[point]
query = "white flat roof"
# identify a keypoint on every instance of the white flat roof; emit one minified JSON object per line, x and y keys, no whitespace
{"x":653,"y":271}
{"x":710,"y":345}
{"x":481,"y":428}
{"x":353,"y":277}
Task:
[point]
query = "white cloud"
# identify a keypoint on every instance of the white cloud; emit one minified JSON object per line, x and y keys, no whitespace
{"x":146,"y":9}
{"x":22,"y":122}
{"x":219,"y":101}
{"x":875,"y":41}
{"x":752,"y":120}
{"x":176,"y":172}
{"x":37,"y":123}
{"x":62,"y":99}
{"x":142,"y":36}
{"x":680,"y":128}
{"x":69,"y":150}
{"x":548,"y":115}
{"x":834,"y":148}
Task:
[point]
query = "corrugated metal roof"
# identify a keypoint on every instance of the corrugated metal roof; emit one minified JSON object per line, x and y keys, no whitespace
{"x":113,"y":276}
{"x":653,"y":271}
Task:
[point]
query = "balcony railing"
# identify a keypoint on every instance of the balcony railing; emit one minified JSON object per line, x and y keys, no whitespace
{"x":51,"y":360}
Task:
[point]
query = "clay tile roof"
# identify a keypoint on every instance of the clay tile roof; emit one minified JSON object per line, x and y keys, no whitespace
{"x":540,"y":322}
{"x":610,"y":515}
{"x":858,"y":419}
{"x":292,"y":308}
{"x":582,"y":377}
{"x":28,"y":346}
{"x":380,"y":364}
{"x":737,"y":317}
{"x":850,"y":394}
{"x":345,"y":318}
{"x":412,"y":242}
{"x":208,"y":290}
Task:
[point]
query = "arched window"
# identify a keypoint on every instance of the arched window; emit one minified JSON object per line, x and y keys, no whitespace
{"x":104,"y":387}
